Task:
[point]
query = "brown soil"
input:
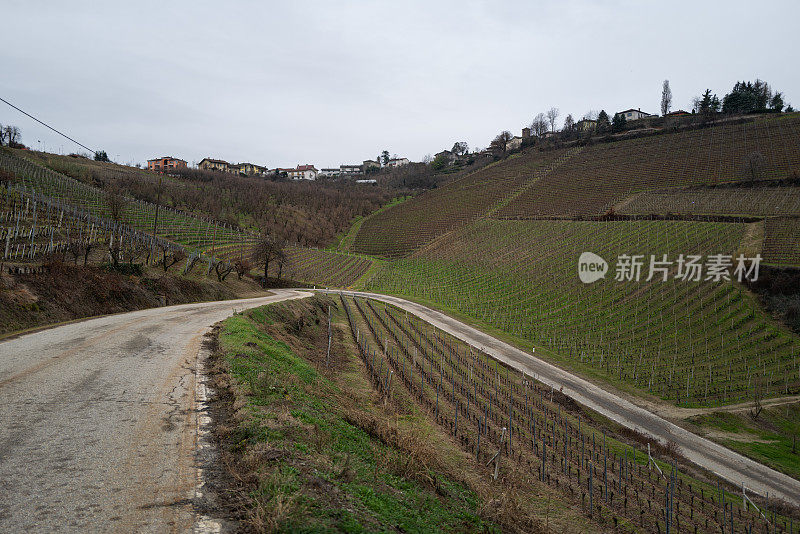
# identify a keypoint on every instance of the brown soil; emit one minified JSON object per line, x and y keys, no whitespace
{"x":67,"y":292}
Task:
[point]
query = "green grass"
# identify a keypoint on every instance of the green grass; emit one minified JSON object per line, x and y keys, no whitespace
{"x":323,"y":449}
{"x":772,"y":439}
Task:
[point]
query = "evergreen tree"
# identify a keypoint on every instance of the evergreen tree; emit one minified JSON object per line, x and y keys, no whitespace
{"x":776,"y":103}
{"x":748,"y":97}
{"x":603,"y":124}
{"x":619,"y":122}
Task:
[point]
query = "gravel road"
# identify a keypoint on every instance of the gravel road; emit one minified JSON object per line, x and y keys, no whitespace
{"x":98,"y":421}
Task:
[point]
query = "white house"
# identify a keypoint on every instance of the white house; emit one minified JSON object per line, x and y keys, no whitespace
{"x":397,"y":162}
{"x":351,"y":170}
{"x":329,"y":173}
{"x":634,"y":114}
{"x":301,"y":172}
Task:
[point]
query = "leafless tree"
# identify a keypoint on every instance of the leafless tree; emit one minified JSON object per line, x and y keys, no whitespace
{"x":170,"y":256}
{"x":242,"y":266}
{"x":75,"y":249}
{"x":267,"y":250}
{"x":2,"y":135}
{"x":569,"y":123}
{"x":116,"y":204}
{"x":87,"y":249}
{"x":500,"y":142}
{"x":11,"y":134}
{"x":459,"y":148}
{"x":758,"y":394}
{"x":552,"y":116}
{"x":666,"y":98}
{"x":223,"y":270}
{"x":539,"y":125}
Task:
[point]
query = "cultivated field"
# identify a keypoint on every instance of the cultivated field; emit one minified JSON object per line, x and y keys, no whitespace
{"x":196,"y":235}
{"x":693,"y":342}
{"x":607,"y":173}
{"x":401,"y":229}
{"x":511,"y":423}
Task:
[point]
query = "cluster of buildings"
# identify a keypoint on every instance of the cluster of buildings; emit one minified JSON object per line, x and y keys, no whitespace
{"x":310,"y":172}
{"x":300,"y":172}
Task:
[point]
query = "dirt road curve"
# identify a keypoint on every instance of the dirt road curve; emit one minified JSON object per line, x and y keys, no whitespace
{"x":730,"y":465}
{"x":97,"y":421}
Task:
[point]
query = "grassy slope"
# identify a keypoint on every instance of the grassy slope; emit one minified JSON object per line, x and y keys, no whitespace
{"x":773,"y":438}
{"x":342,"y":459}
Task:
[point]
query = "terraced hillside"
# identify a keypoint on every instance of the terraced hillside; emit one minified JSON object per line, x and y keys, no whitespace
{"x":309,"y":265}
{"x":196,"y":234}
{"x":402,"y":229}
{"x":308,"y":213}
{"x":694,"y":342}
{"x":43,"y":211}
{"x":605,"y":174}
{"x":732,"y":201}
{"x":589,"y":182}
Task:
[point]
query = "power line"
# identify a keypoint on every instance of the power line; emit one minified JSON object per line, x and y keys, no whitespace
{"x":46,"y":125}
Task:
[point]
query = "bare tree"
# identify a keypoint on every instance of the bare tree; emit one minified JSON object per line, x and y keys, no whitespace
{"x":12,"y":135}
{"x":87,"y":249}
{"x":116,"y":204}
{"x":459,"y":148}
{"x":170,"y":256}
{"x":569,"y":123}
{"x":223,"y":270}
{"x":758,"y":394}
{"x":539,"y":125}
{"x":2,"y":135}
{"x":75,"y":249}
{"x":242,"y":267}
{"x":666,"y":98}
{"x":267,"y":250}
{"x":501,"y":141}
{"x":281,"y":259}
{"x":552,"y":116}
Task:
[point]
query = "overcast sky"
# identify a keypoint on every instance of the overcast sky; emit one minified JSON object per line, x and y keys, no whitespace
{"x":282,"y":83}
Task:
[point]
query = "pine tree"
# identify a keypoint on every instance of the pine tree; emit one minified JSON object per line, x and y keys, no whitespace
{"x":603,"y":124}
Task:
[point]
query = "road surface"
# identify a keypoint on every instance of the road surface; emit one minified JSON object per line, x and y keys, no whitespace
{"x":98,"y":424}
{"x":730,"y":465}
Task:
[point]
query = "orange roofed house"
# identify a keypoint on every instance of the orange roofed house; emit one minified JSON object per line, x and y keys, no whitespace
{"x":165,"y":163}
